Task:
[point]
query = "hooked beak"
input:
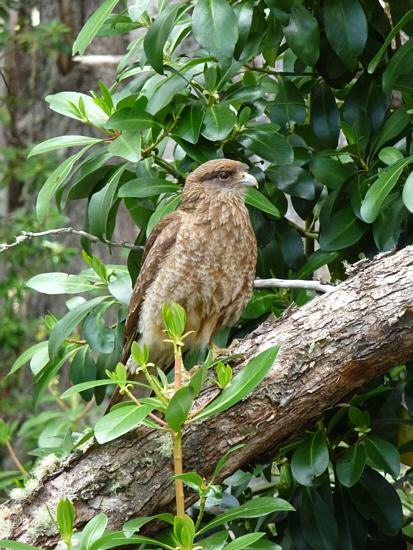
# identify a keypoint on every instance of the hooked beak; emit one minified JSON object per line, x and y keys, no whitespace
{"x":248,"y":180}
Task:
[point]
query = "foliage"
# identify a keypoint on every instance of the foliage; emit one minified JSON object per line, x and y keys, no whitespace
{"x":316,"y":98}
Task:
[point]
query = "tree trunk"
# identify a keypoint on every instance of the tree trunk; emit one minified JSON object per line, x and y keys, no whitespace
{"x":329,"y":348}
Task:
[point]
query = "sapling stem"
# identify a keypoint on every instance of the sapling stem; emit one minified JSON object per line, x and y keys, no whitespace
{"x":177,"y":441}
{"x":17,"y":462}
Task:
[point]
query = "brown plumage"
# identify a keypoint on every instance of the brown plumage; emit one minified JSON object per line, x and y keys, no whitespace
{"x":202,"y":256}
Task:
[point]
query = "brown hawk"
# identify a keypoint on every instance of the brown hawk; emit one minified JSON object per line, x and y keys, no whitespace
{"x":201,"y":256}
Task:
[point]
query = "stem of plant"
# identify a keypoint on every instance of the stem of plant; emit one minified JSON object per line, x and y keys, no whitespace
{"x":202,"y":501}
{"x":158,"y":420}
{"x":14,"y":458}
{"x":177,"y":441}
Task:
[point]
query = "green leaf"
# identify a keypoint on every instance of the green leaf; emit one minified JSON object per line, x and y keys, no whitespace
{"x":215,"y":541}
{"x":245,"y":541}
{"x":62,"y":142}
{"x":265,"y":142}
{"x":350,"y":466}
{"x":376,"y":59}
{"x":293,"y":180}
{"x":315,"y":261}
{"x":192,"y":479}
{"x":391,"y":129}
{"x":215,"y":27}
{"x":179,"y":407}
{"x":345,"y":24}
{"x":131,"y":119}
{"x":54,"y":183}
{"x":78,"y":388}
{"x":382,"y":455}
{"x":26,"y":356}
{"x":83,"y":369}
{"x":260,"y":304}
{"x":390,"y":155}
{"x":289,"y":105}
{"x":318,"y":523}
{"x":408,"y":193}
{"x":141,"y":188}
{"x":161,"y":211}
{"x":126,"y":146}
{"x":92,"y":531}
{"x":310,"y":459}
{"x":400,"y":64}
{"x":224,"y":459}
{"x":243,"y":383}
{"x":377,"y":500}
{"x":343,"y":230}
{"x":134,"y":525}
{"x":120,"y":421}
{"x":17,"y":545}
{"x":100,"y":204}
{"x":120,"y":286}
{"x":59,"y":283}
{"x":219,"y":121}
{"x":98,"y":335}
{"x":330,"y":172}
{"x":118,"y":538}
{"x":325,"y":116}
{"x":375,"y":196}
{"x":303,"y":35}
{"x":65,"y":516}
{"x":189,"y":125}
{"x":254,"y":198}
{"x":254,"y":508}
{"x":158,"y":34}
{"x":69,"y":322}
{"x":61,"y":103}
{"x":92,"y":26}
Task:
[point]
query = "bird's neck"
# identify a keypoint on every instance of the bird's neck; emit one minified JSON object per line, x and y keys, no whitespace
{"x":217,"y":209}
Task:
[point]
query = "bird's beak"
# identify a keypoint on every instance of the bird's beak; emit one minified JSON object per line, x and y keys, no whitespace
{"x":248,"y":180}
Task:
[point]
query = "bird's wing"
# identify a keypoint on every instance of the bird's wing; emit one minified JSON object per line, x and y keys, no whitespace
{"x":157,"y":246}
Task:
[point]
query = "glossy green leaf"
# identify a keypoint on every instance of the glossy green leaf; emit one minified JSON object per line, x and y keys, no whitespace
{"x":219,"y":121}
{"x":391,"y":129}
{"x":254,"y":508}
{"x":192,"y":479}
{"x":318,"y":259}
{"x":118,"y":538}
{"x":265,"y":142}
{"x":78,"y":388}
{"x":134,"y":525}
{"x":400,"y":65}
{"x":345,"y":24}
{"x":255,"y":198}
{"x":245,"y":541}
{"x":126,"y":146}
{"x":83,"y":369}
{"x":161,"y":211}
{"x":62,"y":142}
{"x":69,"y":322}
{"x":92,"y":531}
{"x":120,"y":421}
{"x":374,"y":199}
{"x":302,"y":34}
{"x":318,"y":523}
{"x":350,"y":465}
{"x":243,"y":383}
{"x":214,"y":26}
{"x":141,"y":188}
{"x":324,"y":116}
{"x":166,"y":91}
{"x":120,"y":286}
{"x":293,"y":180}
{"x":260,"y":304}
{"x":99,"y":336}
{"x":390,"y":155}
{"x":92,"y":26}
{"x":224,"y":459}
{"x":289,"y":105}
{"x":131,"y":119}
{"x":59,"y":283}
{"x":408,"y":193}
{"x":351,"y":526}
{"x":62,"y":103}
{"x":4,"y":543}
{"x":310,"y":459}
{"x":100,"y":204}
{"x":26,"y":356}
{"x":158,"y":34}
{"x":189,"y":126}
{"x":382,"y":455}
{"x":54,"y":182}
{"x":377,"y":500}
{"x":343,"y":230}
{"x":65,"y":516}
{"x":331,"y":172}
{"x":215,"y":541}
{"x":179,"y":407}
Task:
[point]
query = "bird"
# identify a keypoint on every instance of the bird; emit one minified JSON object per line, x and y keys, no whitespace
{"x":201,"y":256}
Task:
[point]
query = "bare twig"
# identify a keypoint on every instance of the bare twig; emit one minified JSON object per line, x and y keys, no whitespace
{"x":291,"y":283}
{"x":27,"y":235}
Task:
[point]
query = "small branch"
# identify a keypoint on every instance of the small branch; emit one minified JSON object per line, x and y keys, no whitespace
{"x":279,"y":73}
{"x":17,"y":462}
{"x":316,"y":286}
{"x":27,"y":235}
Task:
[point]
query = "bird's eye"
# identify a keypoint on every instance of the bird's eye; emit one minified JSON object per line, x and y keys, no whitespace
{"x":224,"y":175}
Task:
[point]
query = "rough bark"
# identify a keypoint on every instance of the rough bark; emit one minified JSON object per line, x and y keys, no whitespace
{"x":329,"y":348}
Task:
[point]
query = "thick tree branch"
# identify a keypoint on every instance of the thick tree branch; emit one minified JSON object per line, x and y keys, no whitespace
{"x":330,"y":348}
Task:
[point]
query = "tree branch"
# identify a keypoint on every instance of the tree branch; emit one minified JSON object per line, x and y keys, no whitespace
{"x":330,"y":348}
{"x":316,"y":286}
{"x":26,"y":235}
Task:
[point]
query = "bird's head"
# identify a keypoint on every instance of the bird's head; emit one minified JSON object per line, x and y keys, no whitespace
{"x":220,"y":176}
